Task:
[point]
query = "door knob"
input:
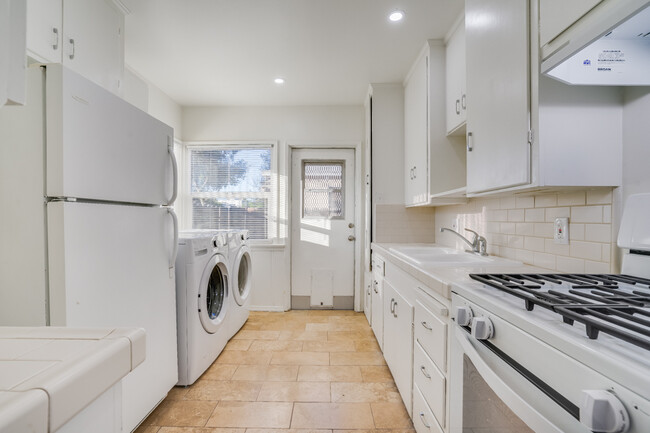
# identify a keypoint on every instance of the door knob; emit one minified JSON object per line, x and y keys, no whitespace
{"x":352,"y":238}
{"x":351,"y":225}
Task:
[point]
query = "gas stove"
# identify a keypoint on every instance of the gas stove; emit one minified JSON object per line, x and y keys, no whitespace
{"x":566,"y":352}
{"x":618,"y":305}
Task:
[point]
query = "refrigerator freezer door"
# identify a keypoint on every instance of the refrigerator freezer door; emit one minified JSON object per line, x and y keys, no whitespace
{"x":109,"y":266}
{"x":101,"y":147}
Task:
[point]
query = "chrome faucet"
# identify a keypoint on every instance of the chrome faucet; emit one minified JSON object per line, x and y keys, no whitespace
{"x":478,"y":244}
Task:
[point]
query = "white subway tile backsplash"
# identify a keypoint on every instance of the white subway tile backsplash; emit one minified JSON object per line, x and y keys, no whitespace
{"x":572,"y":199}
{"x":534,"y":244}
{"x":508,"y":203}
{"x":516,"y":215}
{"x":557,"y":212}
{"x":587,"y":214}
{"x":586,"y":250}
{"x":497,"y":215}
{"x":544,"y":230}
{"x":549,"y":200}
{"x":607,"y":253}
{"x":524,"y":202}
{"x":515,"y":242}
{"x":525,"y":229}
{"x":544,"y":260}
{"x":598,"y":232}
{"x":525,"y":256}
{"x":521,"y":228}
{"x":598,"y":196}
{"x":576,"y":232}
{"x":597,"y":267}
{"x":558,"y":249}
{"x":534,"y":215}
{"x":569,"y":264}
{"x":607,"y":214}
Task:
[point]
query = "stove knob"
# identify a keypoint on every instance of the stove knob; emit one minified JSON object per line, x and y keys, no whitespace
{"x":482,"y":328}
{"x":464,"y":316}
{"x":602,"y":412}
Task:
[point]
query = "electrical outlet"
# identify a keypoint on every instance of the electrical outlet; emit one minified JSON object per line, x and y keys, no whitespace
{"x":561,"y":231}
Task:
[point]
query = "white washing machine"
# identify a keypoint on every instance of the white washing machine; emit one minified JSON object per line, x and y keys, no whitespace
{"x":202,"y":301}
{"x":241,"y":281}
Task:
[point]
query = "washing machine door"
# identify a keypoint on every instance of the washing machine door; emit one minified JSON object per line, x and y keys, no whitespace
{"x":243,"y":275}
{"x":213,"y":294}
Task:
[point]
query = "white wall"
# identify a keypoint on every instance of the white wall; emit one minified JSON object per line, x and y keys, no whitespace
{"x":636,"y":141}
{"x":288,"y":126}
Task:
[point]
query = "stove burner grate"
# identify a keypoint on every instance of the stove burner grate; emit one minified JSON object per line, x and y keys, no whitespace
{"x":618,"y":305}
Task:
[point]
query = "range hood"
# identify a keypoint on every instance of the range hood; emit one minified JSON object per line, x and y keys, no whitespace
{"x":609,"y":46}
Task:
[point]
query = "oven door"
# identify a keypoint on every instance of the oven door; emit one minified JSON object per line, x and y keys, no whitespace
{"x":487,"y":393}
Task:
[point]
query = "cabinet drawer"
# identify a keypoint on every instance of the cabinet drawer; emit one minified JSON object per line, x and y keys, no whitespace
{"x":431,"y":383}
{"x":431,"y":332}
{"x":423,"y":419}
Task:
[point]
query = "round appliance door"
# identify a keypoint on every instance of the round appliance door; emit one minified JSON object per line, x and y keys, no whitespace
{"x":243,"y":275}
{"x":213,"y":294}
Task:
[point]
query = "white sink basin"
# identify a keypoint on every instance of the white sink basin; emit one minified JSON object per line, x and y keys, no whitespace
{"x":441,"y":256}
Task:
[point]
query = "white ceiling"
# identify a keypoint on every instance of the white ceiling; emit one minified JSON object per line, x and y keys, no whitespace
{"x":227,"y":52}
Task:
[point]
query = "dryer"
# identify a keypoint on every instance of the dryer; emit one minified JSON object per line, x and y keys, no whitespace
{"x":203,"y":301}
{"x":241,"y":281}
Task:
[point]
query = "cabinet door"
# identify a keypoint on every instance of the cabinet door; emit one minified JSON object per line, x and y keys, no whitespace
{"x":398,"y":341}
{"x":557,"y":15}
{"x":377,"y":310}
{"x":498,"y":94}
{"x":44,"y":30}
{"x":93,"y":41}
{"x":416,"y":133}
{"x":456,"y":100}
{"x":367,"y":299}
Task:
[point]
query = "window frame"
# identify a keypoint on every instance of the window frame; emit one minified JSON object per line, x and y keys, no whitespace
{"x":273,"y":200}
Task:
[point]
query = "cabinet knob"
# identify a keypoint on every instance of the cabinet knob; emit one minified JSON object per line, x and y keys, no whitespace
{"x":426,"y":326}
{"x":71,"y":55}
{"x":457,"y":106}
{"x":463,"y":103}
{"x":424,"y":420}
{"x":470,"y":142}
{"x":424,"y":372}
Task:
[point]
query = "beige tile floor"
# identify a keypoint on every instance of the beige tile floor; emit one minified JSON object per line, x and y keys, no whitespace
{"x":293,"y":372}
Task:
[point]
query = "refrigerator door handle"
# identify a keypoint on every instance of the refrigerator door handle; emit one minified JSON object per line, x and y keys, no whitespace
{"x":170,"y":150}
{"x":172,"y":260}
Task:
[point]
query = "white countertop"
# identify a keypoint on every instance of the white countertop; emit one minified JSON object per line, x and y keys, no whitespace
{"x":49,"y":374}
{"x":440,"y":277}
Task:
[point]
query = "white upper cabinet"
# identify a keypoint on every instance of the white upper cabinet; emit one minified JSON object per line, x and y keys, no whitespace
{"x":557,"y":15}
{"x":415,"y":133}
{"x":455,"y":74}
{"x":85,"y":35}
{"x":434,"y":164}
{"x":12,"y":51}
{"x":498,"y":95}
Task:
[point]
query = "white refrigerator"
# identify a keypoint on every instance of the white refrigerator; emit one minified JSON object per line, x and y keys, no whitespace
{"x":86,"y":235}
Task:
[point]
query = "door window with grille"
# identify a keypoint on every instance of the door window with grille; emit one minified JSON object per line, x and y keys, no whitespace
{"x":322,"y":189}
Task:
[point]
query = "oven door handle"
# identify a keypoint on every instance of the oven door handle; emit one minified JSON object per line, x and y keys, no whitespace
{"x":535,"y":420}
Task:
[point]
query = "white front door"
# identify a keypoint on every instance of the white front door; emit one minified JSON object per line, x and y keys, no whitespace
{"x":322,"y":233}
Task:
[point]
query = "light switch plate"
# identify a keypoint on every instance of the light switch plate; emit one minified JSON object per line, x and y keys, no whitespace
{"x":561,"y":231}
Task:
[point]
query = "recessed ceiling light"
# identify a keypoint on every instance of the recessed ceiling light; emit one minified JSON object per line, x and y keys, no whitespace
{"x":279,"y":80}
{"x":396,"y":16}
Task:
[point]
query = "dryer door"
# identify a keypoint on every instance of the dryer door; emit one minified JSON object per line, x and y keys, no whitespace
{"x":213,"y":294}
{"x":242,"y":281}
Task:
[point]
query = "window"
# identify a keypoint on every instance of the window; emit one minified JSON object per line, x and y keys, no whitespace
{"x":322,"y":189}
{"x":231,"y":187}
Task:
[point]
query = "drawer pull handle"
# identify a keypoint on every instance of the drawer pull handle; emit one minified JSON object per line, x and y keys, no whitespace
{"x":426,"y":326}
{"x":424,"y":372}
{"x":424,"y":420}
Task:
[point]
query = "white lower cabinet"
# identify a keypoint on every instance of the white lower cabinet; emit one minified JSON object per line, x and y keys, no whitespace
{"x":398,"y":341}
{"x":431,"y":382}
{"x":423,"y":419}
{"x":376,"y":301}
